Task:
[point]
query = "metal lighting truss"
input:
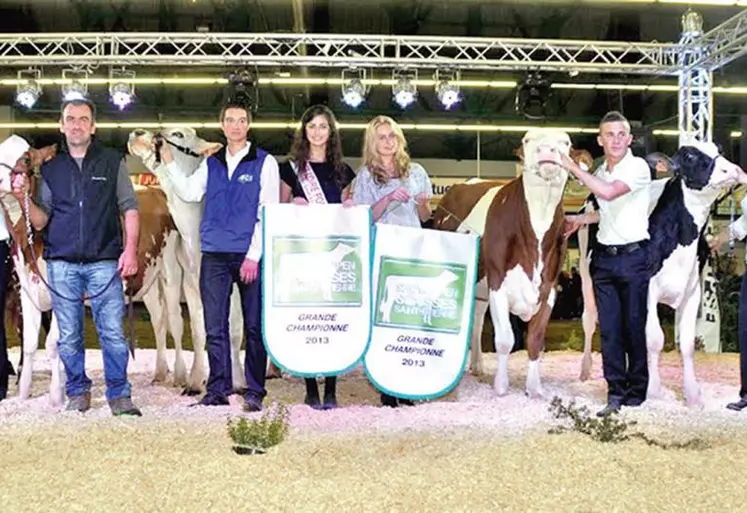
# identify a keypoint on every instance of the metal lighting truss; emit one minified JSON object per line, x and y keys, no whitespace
{"x":692,"y":59}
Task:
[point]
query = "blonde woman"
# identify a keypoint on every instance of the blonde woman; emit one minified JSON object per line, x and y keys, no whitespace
{"x":397,"y":188}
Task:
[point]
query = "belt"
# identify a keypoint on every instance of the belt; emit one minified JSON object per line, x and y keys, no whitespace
{"x":619,"y":249}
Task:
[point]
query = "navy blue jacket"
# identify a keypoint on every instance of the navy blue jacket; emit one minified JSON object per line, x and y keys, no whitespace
{"x":84,"y":219}
{"x":231,"y":205}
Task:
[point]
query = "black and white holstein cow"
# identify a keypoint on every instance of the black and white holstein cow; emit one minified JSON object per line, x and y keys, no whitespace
{"x":678,"y":213}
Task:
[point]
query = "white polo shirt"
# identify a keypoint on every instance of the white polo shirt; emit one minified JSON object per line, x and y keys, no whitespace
{"x":738,"y":229}
{"x":625,"y":219}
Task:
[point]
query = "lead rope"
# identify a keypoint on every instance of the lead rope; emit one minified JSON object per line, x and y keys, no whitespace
{"x":130,"y":307}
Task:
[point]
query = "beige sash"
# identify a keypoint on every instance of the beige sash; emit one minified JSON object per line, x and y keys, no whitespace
{"x":310,"y":184}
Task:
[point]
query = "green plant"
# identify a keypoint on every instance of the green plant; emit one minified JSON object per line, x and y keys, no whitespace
{"x":267,"y":431}
{"x":609,"y":428}
{"x":575,"y":342}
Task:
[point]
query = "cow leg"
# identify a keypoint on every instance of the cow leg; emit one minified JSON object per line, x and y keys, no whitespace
{"x":57,"y":385}
{"x":686,"y":319}
{"x":536,"y":344}
{"x":236,"y":328}
{"x":478,"y":322}
{"x":589,"y":315}
{"x":198,"y":374}
{"x":31,"y":327}
{"x":654,"y":344}
{"x":172,"y":291}
{"x":503,"y":337}
{"x":154,"y":304}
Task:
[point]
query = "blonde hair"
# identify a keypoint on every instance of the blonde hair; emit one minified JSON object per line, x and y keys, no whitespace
{"x":371,"y":157}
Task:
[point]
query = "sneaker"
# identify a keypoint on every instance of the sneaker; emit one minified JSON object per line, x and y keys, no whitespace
{"x":212,"y":400}
{"x":124,"y":406}
{"x":81,"y":403}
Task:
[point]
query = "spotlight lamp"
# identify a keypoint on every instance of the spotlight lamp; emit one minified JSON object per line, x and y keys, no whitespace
{"x":28,"y":89}
{"x":447,"y":89}
{"x":121,"y":87}
{"x":404,"y":90}
{"x":75,"y":89}
{"x":353,"y":90}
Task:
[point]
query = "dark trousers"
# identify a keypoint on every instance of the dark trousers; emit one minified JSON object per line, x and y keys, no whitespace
{"x":621,"y":289}
{"x":5,"y":366}
{"x":743,"y":337}
{"x":218,"y":273}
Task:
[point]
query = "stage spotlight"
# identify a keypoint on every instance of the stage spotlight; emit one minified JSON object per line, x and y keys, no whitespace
{"x":75,"y":90}
{"x":447,"y":90}
{"x":532,"y":96}
{"x":28,"y":91}
{"x":353,"y":89}
{"x":121,"y":87}
{"x":404,"y":90}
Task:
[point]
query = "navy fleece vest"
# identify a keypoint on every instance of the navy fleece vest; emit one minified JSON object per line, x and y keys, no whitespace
{"x":84,"y":223}
{"x":231,"y":205}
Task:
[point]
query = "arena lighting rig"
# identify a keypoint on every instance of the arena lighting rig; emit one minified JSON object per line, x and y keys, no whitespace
{"x":692,"y":59}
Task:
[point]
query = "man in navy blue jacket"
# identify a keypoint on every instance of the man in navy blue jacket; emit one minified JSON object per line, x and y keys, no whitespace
{"x":235,"y":183}
{"x":81,"y":195}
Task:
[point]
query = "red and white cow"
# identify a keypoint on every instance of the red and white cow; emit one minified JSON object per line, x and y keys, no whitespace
{"x":522,"y":247}
{"x":678,"y":213}
{"x":157,"y":283}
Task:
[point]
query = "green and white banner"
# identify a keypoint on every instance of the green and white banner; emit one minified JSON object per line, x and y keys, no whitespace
{"x":316,"y":286}
{"x":424,"y":284}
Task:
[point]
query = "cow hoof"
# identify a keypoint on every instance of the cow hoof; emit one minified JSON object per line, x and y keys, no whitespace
{"x":159,"y":378}
{"x":535,"y":394}
{"x":191,"y":391}
{"x":180,"y":383}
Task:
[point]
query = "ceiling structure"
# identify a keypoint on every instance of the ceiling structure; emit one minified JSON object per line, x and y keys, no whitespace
{"x":423,"y":34}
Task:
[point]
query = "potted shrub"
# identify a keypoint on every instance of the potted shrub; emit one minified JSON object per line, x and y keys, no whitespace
{"x":256,"y":436}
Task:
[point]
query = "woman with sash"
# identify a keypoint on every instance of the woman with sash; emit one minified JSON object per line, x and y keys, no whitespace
{"x":397,"y":189}
{"x":315,"y":173}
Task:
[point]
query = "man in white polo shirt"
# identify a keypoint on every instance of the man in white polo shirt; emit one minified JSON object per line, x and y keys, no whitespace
{"x":619,"y":265}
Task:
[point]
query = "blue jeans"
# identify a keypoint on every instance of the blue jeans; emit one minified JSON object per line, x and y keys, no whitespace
{"x":218,"y":273}
{"x":73,"y":280}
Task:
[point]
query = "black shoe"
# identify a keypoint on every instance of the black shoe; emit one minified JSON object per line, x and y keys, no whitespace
{"x":313,"y":401}
{"x":330,"y":403}
{"x":211,"y":400}
{"x":739,"y":405}
{"x":389,"y":400}
{"x":3,"y":394}
{"x":406,"y":402}
{"x":81,"y":403}
{"x":611,"y":408}
{"x":252,"y":404}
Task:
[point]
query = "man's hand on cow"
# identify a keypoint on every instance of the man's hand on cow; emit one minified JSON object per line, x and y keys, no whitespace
{"x":401,"y":195}
{"x":127,"y":263}
{"x":571,"y":225}
{"x":300,"y":201}
{"x":568,"y":163}
{"x":249,"y":270}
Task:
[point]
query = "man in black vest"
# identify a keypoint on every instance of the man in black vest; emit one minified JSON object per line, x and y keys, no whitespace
{"x":81,"y":194}
{"x":235,"y":183}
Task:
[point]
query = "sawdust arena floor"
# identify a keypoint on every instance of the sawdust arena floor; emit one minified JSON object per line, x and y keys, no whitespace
{"x":469,"y":451}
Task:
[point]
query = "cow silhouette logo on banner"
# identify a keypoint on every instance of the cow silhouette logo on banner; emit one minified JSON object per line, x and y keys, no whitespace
{"x":317,"y":271}
{"x":420,"y":295}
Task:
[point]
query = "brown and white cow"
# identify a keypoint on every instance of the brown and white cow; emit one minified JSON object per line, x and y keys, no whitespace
{"x":522,"y":247}
{"x":157,"y":283}
{"x":455,"y":207}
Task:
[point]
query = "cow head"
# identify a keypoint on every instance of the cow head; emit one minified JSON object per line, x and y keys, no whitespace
{"x":542,"y":149}
{"x":701,"y":167}
{"x":186,"y":147}
{"x":18,"y":158}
